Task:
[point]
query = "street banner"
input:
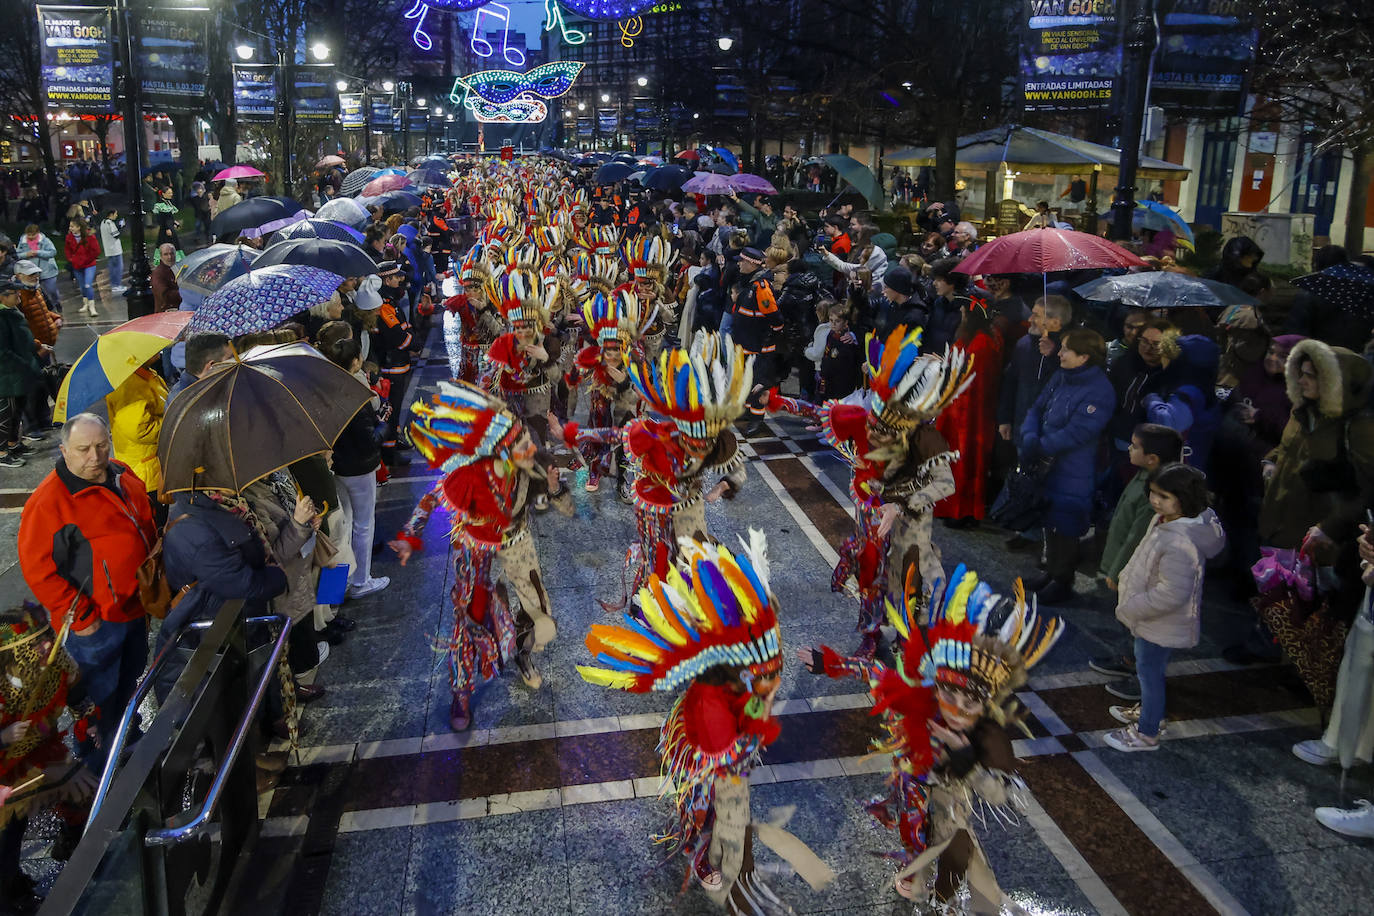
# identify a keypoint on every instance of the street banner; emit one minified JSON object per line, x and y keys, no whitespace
{"x":1071,"y":54}
{"x":76,"y":55}
{"x":610,"y":120}
{"x":172,"y":59}
{"x":313,"y":95}
{"x":419,"y":121}
{"x":585,"y":127}
{"x":351,"y":110}
{"x":255,"y":92}
{"x":1203,"y":58}
{"x":382,"y":118}
{"x":646,"y":116}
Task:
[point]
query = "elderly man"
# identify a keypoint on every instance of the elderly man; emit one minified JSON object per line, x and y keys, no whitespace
{"x":166,"y":292}
{"x":82,"y":536}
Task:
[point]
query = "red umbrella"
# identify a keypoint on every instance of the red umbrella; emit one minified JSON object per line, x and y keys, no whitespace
{"x":381,"y":185}
{"x":1040,"y":251}
{"x":688,"y":154}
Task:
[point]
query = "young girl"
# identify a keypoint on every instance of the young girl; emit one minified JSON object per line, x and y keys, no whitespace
{"x":1160,"y":593}
{"x":83,"y":251}
{"x":111,"y":228}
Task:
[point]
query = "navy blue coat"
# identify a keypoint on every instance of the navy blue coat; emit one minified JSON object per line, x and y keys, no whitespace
{"x":1024,"y":379}
{"x":1065,"y":423}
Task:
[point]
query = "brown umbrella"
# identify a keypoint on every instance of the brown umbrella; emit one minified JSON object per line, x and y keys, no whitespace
{"x":268,"y":408}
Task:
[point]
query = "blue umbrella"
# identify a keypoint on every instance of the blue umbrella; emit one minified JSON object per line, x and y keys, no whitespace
{"x":1151,"y":214}
{"x":263,"y":299}
{"x":1347,"y":286}
{"x":612,"y":172}
{"x":584,"y":162}
{"x":727,"y":157}
{"x":398,"y":201}
{"x":347,"y":259}
{"x":427,"y":177}
{"x":393,"y":170}
{"x":208,"y":269}
{"x":319,"y":229}
{"x":667,"y":178}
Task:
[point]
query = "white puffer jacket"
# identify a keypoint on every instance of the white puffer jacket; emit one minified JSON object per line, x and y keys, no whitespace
{"x":1159,"y":592}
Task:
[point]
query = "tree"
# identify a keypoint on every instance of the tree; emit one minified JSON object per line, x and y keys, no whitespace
{"x":1313,"y":63}
{"x":21,"y":83}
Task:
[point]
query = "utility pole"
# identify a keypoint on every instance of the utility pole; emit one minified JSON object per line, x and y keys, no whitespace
{"x":1135,"y":71}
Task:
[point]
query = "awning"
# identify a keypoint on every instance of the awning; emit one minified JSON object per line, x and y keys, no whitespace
{"x":1025,"y":149}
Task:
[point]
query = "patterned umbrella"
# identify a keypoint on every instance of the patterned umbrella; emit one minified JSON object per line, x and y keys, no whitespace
{"x":114,"y":357}
{"x":353,"y":182}
{"x":754,"y":184}
{"x":1349,"y":287}
{"x":319,"y":229}
{"x":208,"y":269}
{"x":382,"y":183}
{"x":347,"y":259}
{"x":263,"y":299}
{"x":708,"y":183}
{"x":344,"y":210}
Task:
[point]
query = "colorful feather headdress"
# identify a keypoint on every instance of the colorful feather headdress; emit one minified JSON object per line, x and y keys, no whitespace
{"x":613,"y":317}
{"x":647,"y":256}
{"x":461,"y":423}
{"x":519,"y":295}
{"x":701,"y":389}
{"x":603,"y":240}
{"x":475,"y":267}
{"x":605,"y":273}
{"x":548,"y":239}
{"x":713,"y":608}
{"x":909,"y":388}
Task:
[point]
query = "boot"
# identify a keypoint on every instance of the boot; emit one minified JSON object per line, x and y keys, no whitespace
{"x":460,"y":713}
{"x":90,"y":308}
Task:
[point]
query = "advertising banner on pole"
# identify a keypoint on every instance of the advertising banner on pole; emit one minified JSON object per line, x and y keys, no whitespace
{"x":76,"y":54}
{"x":172,"y":59}
{"x":1203,"y":58}
{"x":382,"y":117}
{"x":610,"y":120}
{"x":313,"y":94}
{"x":255,"y":92}
{"x":351,"y":110}
{"x":419,"y":121}
{"x":1071,"y":55}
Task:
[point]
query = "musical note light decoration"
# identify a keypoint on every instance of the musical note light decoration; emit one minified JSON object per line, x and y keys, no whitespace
{"x":508,"y":97}
{"x":553,"y":11}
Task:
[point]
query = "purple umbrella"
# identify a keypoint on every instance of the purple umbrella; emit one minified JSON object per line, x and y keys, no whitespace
{"x":708,"y":183}
{"x":753,"y":184}
{"x":262,"y":299}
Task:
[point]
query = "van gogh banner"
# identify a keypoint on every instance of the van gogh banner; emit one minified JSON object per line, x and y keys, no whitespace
{"x":351,"y":110}
{"x":382,"y":118}
{"x":77,"y":58}
{"x":313,"y":98}
{"x":255,"y":92}
{"x":1204,"y":55}
{"x":172,"y":59}
{"x":1071,"y":58}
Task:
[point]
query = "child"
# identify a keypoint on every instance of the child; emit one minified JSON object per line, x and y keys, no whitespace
{"x":111,"y":228}
{"x":816,"y":349}
{"x":1160,"y":594}
{"x":842,"y":361}
{"x":1152,"y":447}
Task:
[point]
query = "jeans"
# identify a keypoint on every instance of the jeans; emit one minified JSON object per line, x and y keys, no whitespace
{"x":1150,"y":660}
{"x":111,"y":661}
{"x":49,"y":285}
{"x":362,"y":496}
{"x":85,"y":278}
{"x":114,"y":264}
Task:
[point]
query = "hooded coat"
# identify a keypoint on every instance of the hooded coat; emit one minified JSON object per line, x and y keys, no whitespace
{"x":1064,"y":424}
{"x":1189,"y":405}
{"x":1324,"y":462}
{"x":1160,"y":589}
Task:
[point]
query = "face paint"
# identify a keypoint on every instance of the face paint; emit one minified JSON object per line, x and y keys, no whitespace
{"x":960,"y":710}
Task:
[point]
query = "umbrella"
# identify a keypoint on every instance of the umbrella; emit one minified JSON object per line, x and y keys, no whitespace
{"x":1151,"y":214}
{"x":727,"y":157}
{"x":354,"y":181}
{"x":319,"y":229}
{"x":860,"y":176}
{"x":650,"y":160}
{"x":92,"y":194}
{"x":329,"y":162}
{"x":390,"y":170}
{"x":245,"y":419}
{"x":428,"y":178}
{"x":262,"y":299}
{"x":434,"y":162}
{"x":584,"y":162}
{"x":691,"y":154}
{"x":708,"y":183}
{"x":637,"y":176}
{"x":238,"y":171}
{"x":1163,"y":289}
{"x":667,"y":178}
{"x":398,"y":201}
{"x":344,"y":210}
{"x":1039,"y":251}
{"x":159,"y":167}
{"x":721,"y":168}
{"x":627,"y":158}
{"x":114,"y":357}
{"x":1348,"y":286}
{"x":612,"y":172}
{"x":380,"y":184}
{"x":208,"y":269}
{"x":754,"y":184}
{"x":347,"y":259}
{"x":254,"y":215}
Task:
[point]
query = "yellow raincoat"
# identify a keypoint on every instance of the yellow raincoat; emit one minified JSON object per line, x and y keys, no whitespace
{"x":136,"y":409}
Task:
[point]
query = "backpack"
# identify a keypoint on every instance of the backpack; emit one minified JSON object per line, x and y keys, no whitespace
{"x":154,"y":592}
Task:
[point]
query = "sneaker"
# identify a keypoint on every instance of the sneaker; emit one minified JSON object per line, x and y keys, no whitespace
{"x":19,"y":450}
{"x":593,"y":483}
{"x":1357,"y":821}
{"x":1130,"y":715}
{"x":1316,"y":752}
{"x":32,"y":438}
{"x":10,"y":460}
{"x":1113,"y":665}
{"x":373,"y":584}
{"x":1129,"y":740}
{"x":524,"y":662}
{"x":626,"y":492}
{"x":1128,"y":688}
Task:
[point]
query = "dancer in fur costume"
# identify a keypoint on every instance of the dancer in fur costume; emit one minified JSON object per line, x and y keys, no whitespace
{"x":492,"y":472}
{"x":901,"y":465}
{"x":709,"y":628}
{"x":603,"y":367}
{"x":945,"y":706}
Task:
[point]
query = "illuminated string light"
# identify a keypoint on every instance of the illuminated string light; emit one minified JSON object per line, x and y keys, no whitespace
{"x":554,"y":19}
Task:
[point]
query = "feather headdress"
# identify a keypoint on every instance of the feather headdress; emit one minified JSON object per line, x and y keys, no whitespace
{"x":605,"y":273}
{"x":603,"y":240}
{"x":713,"y":608}
{"x":548,"y":239}
{"x":701,"y":389}
{"x":475,"y":267}
{"x":519,"y":294}
{"x":613,"y":317}
{"x":909,"y":388}
{"x":647,"y":256}
{"x":461,"y":423}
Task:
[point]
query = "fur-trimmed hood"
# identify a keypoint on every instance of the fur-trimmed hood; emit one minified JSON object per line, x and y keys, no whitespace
{"x":1343,"y":377}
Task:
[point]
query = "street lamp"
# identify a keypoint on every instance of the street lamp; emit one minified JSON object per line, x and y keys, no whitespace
{"x":319,"y":50}
{"x":643,"y":81}
{"x":420,"y":102}
{"x":581,"y":106}
{"x":245,"y":52}
{"x":341,"y":85}
{"x":605,"y":97}
{"x":388,"y":86}
{"x":725,"y":42}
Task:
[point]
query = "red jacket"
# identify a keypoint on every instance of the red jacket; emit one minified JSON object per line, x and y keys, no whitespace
{"x":82,"y":254}
{"x":81,"y":538}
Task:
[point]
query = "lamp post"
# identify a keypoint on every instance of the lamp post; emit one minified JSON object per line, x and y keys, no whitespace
{"x":139,"y":296}
{"x":1140,"y":44}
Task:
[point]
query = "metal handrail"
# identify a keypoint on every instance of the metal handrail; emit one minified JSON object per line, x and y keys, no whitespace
{"x":126,"y":721}
{"x":171,"y":835}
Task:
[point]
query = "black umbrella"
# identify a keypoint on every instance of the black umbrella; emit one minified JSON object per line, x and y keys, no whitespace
{"x":319,"y":229}
{"x":428,"y":177}
{"x":667,"y":178}
{"x":584,"y":162}
{"x":630,"y":158}
{"x":354,"y":181}
{"x":397,"y":201}
{"x":346,"y":259}
{"x":1348,"y":286}
{"x":612,"y":172}
{"x":253,"y":213}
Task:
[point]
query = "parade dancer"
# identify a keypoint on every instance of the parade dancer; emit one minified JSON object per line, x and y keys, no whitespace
{"x":699,"y":393}
{"x":603,"y":367}
{"x":901,"y":466}
{"x":709,"y":628}
{"x":471,"y":322}
{"x":492,"y":471}
{"x":945,"y":706}
{"x":649,"y":258}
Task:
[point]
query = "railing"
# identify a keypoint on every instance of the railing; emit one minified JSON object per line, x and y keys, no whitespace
{"x":149,"y":847}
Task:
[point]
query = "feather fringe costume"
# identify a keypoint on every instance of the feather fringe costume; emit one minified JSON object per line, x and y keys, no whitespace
{"x":709,"y":629}
{"x":613,"y":322}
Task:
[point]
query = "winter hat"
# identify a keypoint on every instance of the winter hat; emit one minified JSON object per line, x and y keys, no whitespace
{"x":368,"y":297}
{"x":11,"y":286}
{"x":898,"y":279}
{"x":26,"y":268}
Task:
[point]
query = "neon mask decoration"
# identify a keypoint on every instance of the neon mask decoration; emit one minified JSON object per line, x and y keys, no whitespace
{"x":508,"y":97}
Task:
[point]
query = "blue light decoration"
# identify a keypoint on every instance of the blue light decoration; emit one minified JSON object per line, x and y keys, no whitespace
{"x":554,"y":19}
{"x":508,"y":97}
